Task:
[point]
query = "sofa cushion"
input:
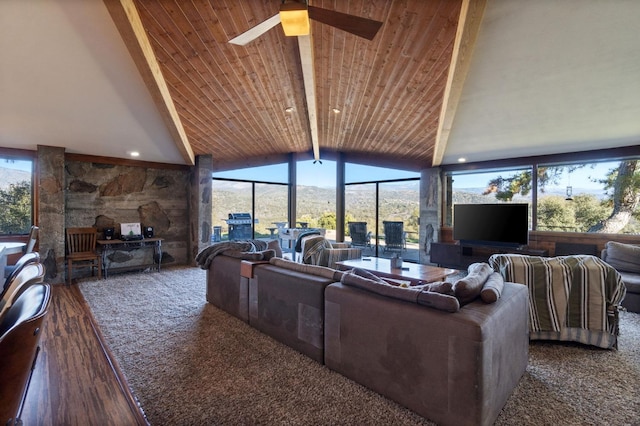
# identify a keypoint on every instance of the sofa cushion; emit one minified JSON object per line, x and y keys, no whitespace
{"x":443,"y":287}
{"x":416,"y":294}
{"x":631,"y":281}
{"x":467,"y":289}
{"x":275,"y":246}
{"x":440,"y":301}
{"x":321,"y":271}
{"x":492,"y":289}
{"x":623,"y":257}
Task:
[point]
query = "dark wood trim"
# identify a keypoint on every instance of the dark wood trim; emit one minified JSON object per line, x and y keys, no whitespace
{"x":546,"y":240}
{"x":19,"y":154}
{"x":610,"y":154}
{"x":124,"y":162}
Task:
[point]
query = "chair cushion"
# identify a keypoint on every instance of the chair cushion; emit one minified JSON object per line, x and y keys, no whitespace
{"x":623,"y":257}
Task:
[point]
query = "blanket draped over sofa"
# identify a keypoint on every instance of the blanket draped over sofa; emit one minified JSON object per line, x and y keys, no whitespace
{"x":206,"y":255}
{"x":574,"y":298}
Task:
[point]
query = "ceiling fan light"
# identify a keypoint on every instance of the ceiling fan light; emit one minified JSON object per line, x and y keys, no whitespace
{"x":294,"y":18}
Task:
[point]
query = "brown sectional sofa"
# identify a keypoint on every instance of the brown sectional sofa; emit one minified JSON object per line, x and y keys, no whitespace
{"x":226,"y":288}
{"x":288,"y":305}
{"x":453,"y":368}
{"x":625,"y":258}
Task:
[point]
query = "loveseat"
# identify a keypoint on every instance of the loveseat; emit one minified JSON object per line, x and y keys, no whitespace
{"x":625,"y":258}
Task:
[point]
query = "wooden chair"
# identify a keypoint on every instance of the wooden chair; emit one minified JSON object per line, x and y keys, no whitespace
{"x":20,"y":332}
{"x":26,"y":259}
{"x":28,"y":275}
{"x":33,"y":239}
{"x":31,"y":244}
{"x":81,"y":250}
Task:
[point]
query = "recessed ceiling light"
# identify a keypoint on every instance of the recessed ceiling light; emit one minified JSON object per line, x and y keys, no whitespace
{"x":134,"y":154}
{"x":288,"y":109}
{"x":336,"y":110}
{"x":461,"y":160}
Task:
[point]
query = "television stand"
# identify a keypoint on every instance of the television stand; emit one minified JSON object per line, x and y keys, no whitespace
{"x":460,"y":256}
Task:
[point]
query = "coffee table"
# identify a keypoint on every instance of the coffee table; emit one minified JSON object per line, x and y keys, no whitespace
{"x":414,"y":272}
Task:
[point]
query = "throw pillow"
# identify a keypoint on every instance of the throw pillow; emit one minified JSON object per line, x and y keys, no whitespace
{"x":468,"y":288}
{"x":439,"y":301}
{"x":492,"y":289}
{"x":441,"y":287}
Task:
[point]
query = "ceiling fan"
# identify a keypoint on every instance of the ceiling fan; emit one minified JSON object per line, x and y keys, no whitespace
{"x":294,"y":16}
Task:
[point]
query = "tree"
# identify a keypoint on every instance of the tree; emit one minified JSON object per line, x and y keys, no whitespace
{"x":555,"y":214}
{"x":505,"y":188}
{"x":625,"y":183}
{"x":15,"y":216}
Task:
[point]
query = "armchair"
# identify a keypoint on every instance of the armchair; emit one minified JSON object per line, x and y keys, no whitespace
{"x":571,"y":298}
{"x":317,"y":250}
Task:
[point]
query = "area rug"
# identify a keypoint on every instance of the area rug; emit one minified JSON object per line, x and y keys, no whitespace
{"x":190,"y":363}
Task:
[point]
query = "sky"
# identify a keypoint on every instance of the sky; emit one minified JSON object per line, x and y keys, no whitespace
{"x":320,"y":175}
{"x":580,"y":178}
{"x":16,"y":165}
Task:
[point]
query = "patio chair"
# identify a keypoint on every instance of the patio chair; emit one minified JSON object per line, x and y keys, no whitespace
{"x":394,"y":237}
{"x":359,"y":235}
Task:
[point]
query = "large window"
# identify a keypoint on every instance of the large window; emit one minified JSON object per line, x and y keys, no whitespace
{"x":588,"y":196}
{"x":316,"y":195}
{"x":258,"y":191}
{"x":16,"y":195}
{"x":375,"y":195}
{"x":488,"y":186}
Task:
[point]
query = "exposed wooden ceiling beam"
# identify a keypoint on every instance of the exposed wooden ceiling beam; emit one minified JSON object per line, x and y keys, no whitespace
{"x":127,"y":20}
{"x":305,"y":45}
{"x":468,"y":26}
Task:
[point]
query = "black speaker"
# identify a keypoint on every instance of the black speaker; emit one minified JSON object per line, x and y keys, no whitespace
{"x":108,"y":233}
{"x":148,"y":232}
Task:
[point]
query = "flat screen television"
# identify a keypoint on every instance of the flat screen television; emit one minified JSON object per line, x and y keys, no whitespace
{"x":491,"y":224}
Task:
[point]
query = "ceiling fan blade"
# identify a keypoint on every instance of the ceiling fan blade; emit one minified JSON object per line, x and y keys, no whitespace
{"x":362,"y":27}
{"x":255,"y":32}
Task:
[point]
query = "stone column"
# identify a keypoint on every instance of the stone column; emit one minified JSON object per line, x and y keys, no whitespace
{"x":430,"y":211}
{"x":51,"y":211}
{"x":201,"y":204}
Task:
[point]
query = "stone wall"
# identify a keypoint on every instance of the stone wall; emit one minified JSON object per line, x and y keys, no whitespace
{"x":51,"y":211}
{"x":105,"y":195}
{"x":430,"y":211}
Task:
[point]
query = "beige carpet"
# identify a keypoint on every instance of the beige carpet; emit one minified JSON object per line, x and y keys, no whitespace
{"x":190,"y":363}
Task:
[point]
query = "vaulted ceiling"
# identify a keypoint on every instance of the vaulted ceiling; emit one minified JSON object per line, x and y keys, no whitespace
{"x":440,"y":80}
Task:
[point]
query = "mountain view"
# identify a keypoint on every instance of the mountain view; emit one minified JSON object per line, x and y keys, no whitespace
{"x":11,"y":177}
{"x":316,"y":205}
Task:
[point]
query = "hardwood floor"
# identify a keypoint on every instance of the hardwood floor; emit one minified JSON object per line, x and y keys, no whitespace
{"x":75,"y":382}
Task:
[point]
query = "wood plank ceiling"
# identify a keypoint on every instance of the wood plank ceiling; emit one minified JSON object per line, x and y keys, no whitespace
{"x":231,"y":99}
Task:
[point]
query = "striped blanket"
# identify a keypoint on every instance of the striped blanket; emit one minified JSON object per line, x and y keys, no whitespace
{"x":574,"y":298}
